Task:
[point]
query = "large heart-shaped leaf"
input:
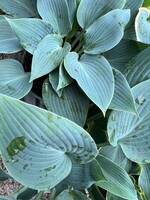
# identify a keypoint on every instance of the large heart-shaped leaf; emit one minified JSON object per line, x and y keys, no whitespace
{"x":142,"y":26}
{"x":14,"y":81}
{"x":130,"y":131}
{"x":123,"y":98}
{"x":138,"y":69}
{"x":19,"y":8}
{"x":48,"y":55}
{"x":30,"y":31}
{"x":9,"y":43}
{"x":36,"y":144}
{"x":57,"y":14}
{"x":118,"y":181}
{"x":106,"y":32}
{"x":83,"y":176}
{"x":89,"y":11}
{"x":94,"y":75}
{"x":121,"y":54}
{"x":144,"y":180}
{"x":73,"y":103}
{"x":71,"y":195}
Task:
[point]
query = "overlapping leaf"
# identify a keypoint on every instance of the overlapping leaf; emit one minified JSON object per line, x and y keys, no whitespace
{"x":142,"y":26}
{"x":19,"y":8}
{"x":130,"y":131}
{"x":122,"y":53}
{"x":111,"y":196}
{"x":116,"y":155}
{"x":94,"y":75}
{"x":9,"y":43}
{"x":138,"y":69}
{"x":72,"y":104}
{"x":123,"y":99}
{"x":72,"y":195}
{"x":14,"y":81}
{"x":83,"y":176}
{"x":30,"y":31}
{"x":144,"y":180}
{"x":106,"y":32}
{"x":118,"y":181}
{"x":48,"y":55}
{"x":57,"y":14}
{"x":90,"y":11}
{"x":134,"y":6}
{"x":64,"y":78}
{"x":38,"y":144}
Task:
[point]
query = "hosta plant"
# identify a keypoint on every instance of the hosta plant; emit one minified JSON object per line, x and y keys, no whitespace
{"x":88,"y":64}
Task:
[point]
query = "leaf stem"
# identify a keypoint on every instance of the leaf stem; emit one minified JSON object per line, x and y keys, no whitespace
{"x":52,"y":194}
{"x":79,"y":37}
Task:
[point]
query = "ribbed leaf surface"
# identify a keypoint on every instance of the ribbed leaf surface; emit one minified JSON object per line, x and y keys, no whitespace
{"x":116,"y":155}
{"x":94,"y":75}
{"x":14,"y":81}
{"x":30,"y":31}
{"x":118,"y":181}
{"x":121,"y":54}
{"x":83,"y":176}
{"x":9,"y":43}
{"x":71,"y":195}
{"x":64,"y":78}
{"x":130,"y":131}
{"x":106,"y":32}
{"x":138,"y":69}
{"x":123,"y":99}
{"x":144,"y":180}
{"x":134,"y":6}
{"x":73,"y":103}
{"x":89,"y":11}
{"x":57,"y":14}
{"x":38,"y":145}
{"x":48,"y":55}
{"x":19,"y":8}
{"x":142,"y":26}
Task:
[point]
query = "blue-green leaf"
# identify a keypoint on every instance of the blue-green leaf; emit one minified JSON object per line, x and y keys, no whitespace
{"x":116,"y":155}
{"x":89,"y":11}
{"x":9,"y":43}
{"x":36,"y":144}
{"x":30,"y":31}
{"x":118,"y":181}
{"x":94,"y":75}
{"x":134,"y":6}
{"x":72,"y":6}
{"x":106,"y":32}
{"x":132,"y":132}
{"x":64,"y":78}
{"x":138,"y":69}
{"x":73,"y":103}
{"x":19,"y":8}
{"x":48,"y":55}
{"x":14,"y":81}
{"x":142,"y":26}
{"x":123,"y":99}
{"x":144,"y":180}
{"x":111,"y":196}
{"x":57,"y":14}
{"x":83,"y":176}
{"x":121,"y":54}
{"x":71,"y":195}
